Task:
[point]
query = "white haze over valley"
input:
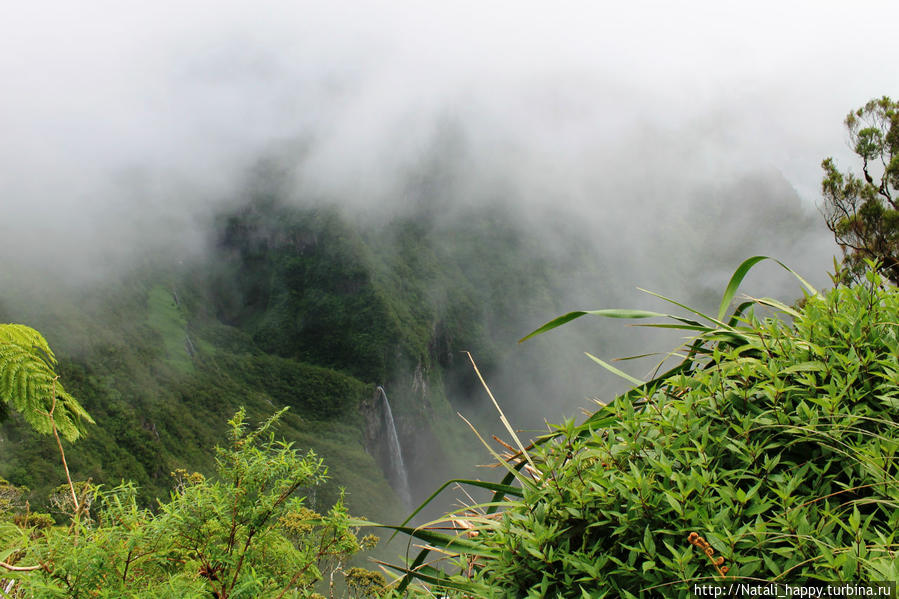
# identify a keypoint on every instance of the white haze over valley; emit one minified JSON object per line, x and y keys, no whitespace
{"x":126,"y":125}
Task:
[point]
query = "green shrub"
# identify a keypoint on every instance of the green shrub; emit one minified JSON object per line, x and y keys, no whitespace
{"x":773,"y":444}
{"x":246,"y":533}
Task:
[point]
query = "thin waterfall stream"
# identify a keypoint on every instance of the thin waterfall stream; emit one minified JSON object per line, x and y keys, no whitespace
{"x":397,"y":466}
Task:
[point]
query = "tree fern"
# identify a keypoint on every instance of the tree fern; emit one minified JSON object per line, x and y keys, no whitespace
{"x":29,"y":383}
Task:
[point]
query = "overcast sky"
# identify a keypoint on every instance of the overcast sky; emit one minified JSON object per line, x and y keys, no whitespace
{"x":127,"y":122}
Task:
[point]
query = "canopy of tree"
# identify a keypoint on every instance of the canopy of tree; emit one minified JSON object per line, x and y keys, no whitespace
{"x":863,"y":211}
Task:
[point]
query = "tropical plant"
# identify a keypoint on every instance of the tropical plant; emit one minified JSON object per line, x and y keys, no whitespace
{"x":769,"y":452}
{"x":863,"y":211}
{"x":29,"y":383}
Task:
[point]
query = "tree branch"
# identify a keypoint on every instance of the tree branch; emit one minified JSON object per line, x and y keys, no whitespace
{"x":12,"y":568}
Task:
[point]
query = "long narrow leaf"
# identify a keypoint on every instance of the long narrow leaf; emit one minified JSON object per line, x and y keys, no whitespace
{"x":684,"y":306}
{"x":608,"y":313}
{"x":413,"y":567}
{"x":683,"y":327}
{"x":504,"y":489}
{"x":773,"y":303}
{"x":441,"y":540}
{"x":738,"y":313}
{"x":556,"y":322}
{"x":614,"y":370}
{"x":437,"y":578}
{"x":735,"y":281}
{"x":638,"y":357}
{"x":740,"y":274}
{"x":507,"y":481}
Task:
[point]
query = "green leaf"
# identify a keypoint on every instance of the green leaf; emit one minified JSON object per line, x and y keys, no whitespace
{"x":443,"y":541}
{"x":608,"y":313}
{"x":734,"y":283}
{"x":614,"y":370}
{"x":741,"y":272}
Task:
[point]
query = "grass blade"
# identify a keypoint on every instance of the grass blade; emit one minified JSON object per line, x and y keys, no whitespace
{"x":502,"y":416}
{"x":410,"y":572}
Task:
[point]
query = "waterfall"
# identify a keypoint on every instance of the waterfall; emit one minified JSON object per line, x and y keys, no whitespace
{"x":398,"y":474}
{"x":189,"y":345}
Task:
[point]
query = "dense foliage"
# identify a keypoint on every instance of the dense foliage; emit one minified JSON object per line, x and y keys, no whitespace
{"x":246,"y":532}
{"x":773,"y":445}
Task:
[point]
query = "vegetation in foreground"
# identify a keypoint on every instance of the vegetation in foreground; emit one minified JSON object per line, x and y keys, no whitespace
{"x":247,"y":532}
{"x":769,"y":453}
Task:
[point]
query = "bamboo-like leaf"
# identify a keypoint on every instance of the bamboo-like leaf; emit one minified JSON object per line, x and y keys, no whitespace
{"x":684,"y":327}
{"x":741,"y":273}
{"x":500,"y":489}
{"x":614,"y":370}
{"x":727,"y":336}
{"x":412,"y":569}
{"x":441,"y":540}
{"x":625,"y":313}
{"x":810,"y":366}
{"x":684,"y":306}
{"x":435,"y":577}
{"x":806,"y":284}
{"x":773,"y":303}
{"x":738,"y":313}
{"x":735,"y":281}
{"x":556,"y":322}
{"x":637,"y":357}
{"x":608,"y":313}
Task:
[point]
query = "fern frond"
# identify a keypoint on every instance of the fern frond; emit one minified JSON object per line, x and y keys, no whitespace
{"x":25,"y":336}
{"x":28,"y":383}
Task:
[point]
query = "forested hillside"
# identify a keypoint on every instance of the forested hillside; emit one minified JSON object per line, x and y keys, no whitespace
{"x":291,"y":306}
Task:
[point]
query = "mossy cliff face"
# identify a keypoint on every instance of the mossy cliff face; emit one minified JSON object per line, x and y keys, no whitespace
{"x":306,"y":285}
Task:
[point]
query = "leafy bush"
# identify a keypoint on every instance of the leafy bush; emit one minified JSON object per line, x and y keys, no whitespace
{"x":246,"y":533}
{"x":768,"y":453}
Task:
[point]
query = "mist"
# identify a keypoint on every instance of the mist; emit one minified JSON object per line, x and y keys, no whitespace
{"x":669,"y":138}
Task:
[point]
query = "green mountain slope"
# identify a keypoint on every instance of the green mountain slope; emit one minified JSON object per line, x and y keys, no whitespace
{"x":292,"y":306}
